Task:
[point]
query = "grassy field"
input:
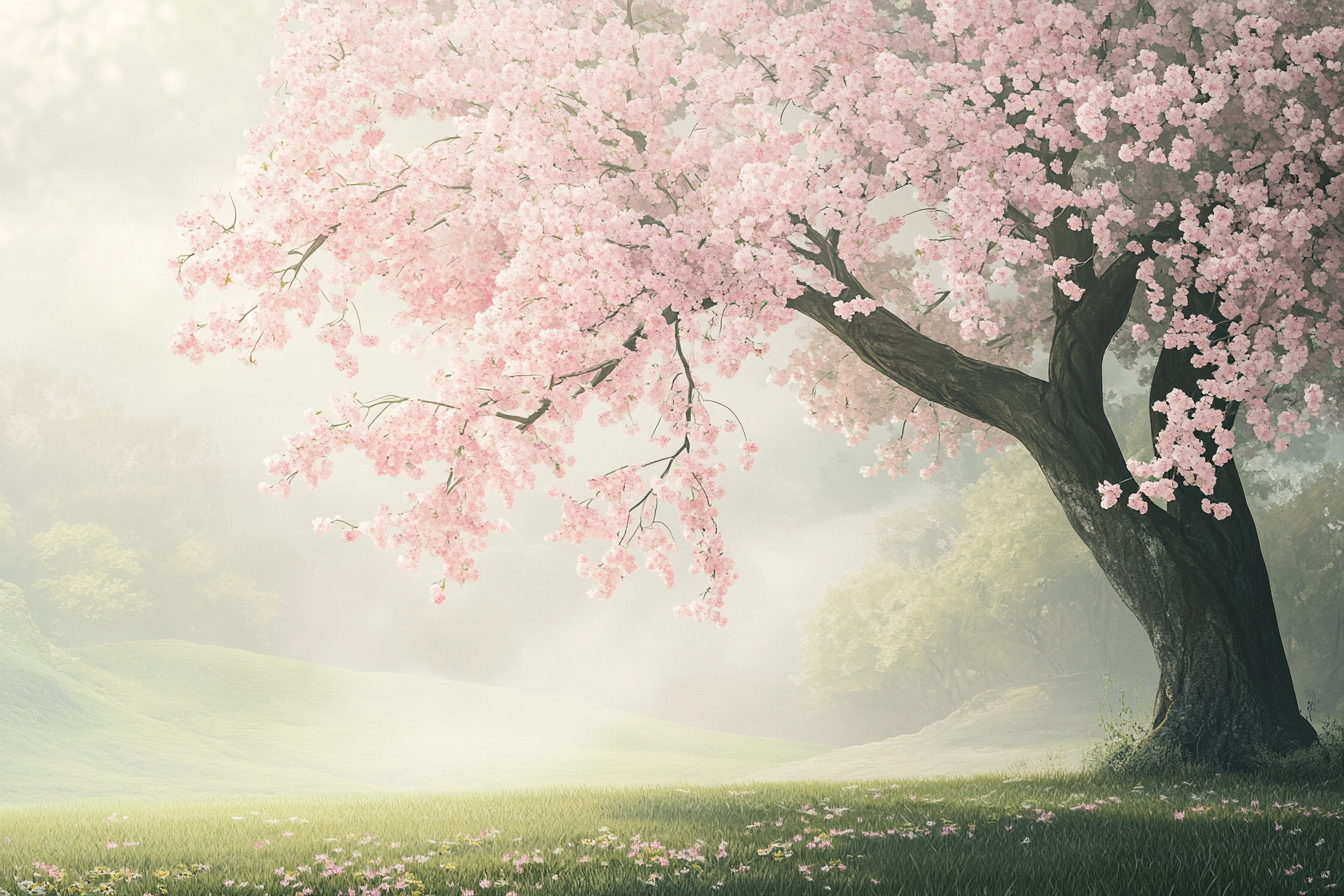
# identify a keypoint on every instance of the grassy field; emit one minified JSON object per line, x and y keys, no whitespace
{"x":1064,"y":834}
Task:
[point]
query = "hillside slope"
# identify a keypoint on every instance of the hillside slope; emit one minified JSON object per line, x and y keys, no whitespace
{"x":169,"y":718}
{"x":1021,"y":727}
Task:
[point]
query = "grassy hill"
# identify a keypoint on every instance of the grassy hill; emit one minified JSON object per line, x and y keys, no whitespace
{"x":169,"y":718}
{"x":1020,"y":728}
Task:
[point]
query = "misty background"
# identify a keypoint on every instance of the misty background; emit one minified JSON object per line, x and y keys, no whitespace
{"x":117,"y":452}
{"x":150,"y":118}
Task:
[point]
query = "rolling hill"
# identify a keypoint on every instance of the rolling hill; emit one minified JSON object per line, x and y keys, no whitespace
{"x":169,"y":718}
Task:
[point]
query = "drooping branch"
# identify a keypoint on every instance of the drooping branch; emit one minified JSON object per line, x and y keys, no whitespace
{"x":525,"y":422}
{"x":599,"y":371}
{"x":290,"y":274}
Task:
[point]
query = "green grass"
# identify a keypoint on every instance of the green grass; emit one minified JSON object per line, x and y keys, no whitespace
{"x":1062,"y":834}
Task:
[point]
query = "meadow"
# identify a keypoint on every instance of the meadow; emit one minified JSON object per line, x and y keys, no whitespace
{"x":1066,"y":833}
{"x":161,"y":768}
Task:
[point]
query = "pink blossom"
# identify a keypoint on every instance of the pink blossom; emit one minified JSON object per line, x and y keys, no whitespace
{"x":570,"y":252}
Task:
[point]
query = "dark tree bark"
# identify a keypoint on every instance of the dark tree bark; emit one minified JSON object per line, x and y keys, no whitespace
{"x":1198,"y":585}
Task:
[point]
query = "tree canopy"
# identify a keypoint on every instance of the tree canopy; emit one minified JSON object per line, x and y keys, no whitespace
{"x":625,"y":199}
{"x":619,"y":202}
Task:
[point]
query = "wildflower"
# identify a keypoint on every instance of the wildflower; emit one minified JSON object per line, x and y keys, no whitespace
{"x":1180,"y":816}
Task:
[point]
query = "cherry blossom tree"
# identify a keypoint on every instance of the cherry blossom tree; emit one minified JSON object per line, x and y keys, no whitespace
{"x":623,"y":201}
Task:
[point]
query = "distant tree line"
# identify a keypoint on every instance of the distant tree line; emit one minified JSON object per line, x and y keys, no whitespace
{"x":109,"y":522}
{"x":989,"y":586}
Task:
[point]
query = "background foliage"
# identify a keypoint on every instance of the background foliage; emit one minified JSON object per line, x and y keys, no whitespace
{"x":110,"y":522}
{"x":989,"y":585}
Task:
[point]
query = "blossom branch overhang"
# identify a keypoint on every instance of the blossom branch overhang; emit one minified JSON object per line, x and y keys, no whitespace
{"x":304,"y":252}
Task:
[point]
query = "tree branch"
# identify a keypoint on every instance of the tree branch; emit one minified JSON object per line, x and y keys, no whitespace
{"x":1084,"y":329}
{"x":995,"y":395}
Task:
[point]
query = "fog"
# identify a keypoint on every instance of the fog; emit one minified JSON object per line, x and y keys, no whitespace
{"x":149,"y":117}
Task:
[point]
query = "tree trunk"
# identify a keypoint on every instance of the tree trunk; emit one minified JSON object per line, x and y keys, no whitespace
{"x":1198,"y":585}
{"x":1202,"y":594}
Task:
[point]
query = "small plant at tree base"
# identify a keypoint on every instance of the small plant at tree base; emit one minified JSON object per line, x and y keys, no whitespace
{"x":1122,"y":726}
{"x":1322,"y":761}
{"x":621,"y":201}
